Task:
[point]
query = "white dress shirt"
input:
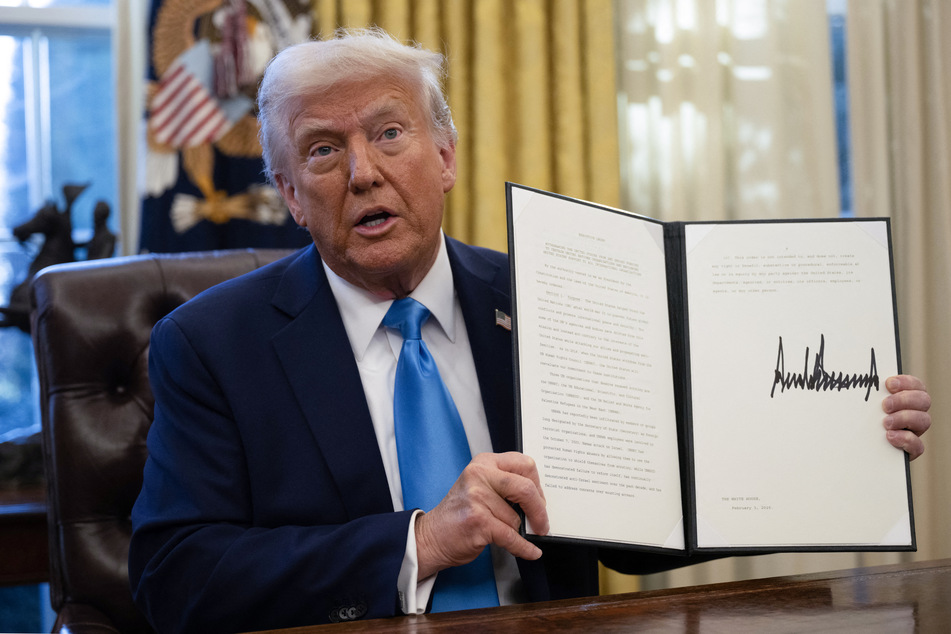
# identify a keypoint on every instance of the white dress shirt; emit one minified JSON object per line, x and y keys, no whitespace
{"x":376,"y":350}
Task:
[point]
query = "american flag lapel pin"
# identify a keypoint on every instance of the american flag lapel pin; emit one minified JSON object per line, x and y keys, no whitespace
{"x":501,"y":319}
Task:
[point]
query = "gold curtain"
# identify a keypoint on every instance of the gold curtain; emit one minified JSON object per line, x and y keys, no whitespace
{"x":532,"y":89}
{"x":899,"y":55}
{"x":533,"y":94}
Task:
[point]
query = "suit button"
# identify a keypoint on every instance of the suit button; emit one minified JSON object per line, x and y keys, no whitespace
{"x":347,"y":612}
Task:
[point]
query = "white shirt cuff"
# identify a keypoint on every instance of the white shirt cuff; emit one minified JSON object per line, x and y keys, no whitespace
{"x":414,"y":596}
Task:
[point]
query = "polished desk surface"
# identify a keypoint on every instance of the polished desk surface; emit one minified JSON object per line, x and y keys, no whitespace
{"x":24,"y":550}
{"x":897,"y":598}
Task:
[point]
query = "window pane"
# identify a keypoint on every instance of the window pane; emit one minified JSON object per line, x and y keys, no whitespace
{"x":17,"y":410}
{"x":840,"y":87}
{"x":55,"y":3}
{"x":68,"y":3}
{"x":18,"y":415}
{"x":81,"y":148}
{"x":82,"y":123}
{"x":14,"y":185}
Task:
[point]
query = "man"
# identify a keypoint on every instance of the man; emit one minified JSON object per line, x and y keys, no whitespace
{"x":272,"y":493}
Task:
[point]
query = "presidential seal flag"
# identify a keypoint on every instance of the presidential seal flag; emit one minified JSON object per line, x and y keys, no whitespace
{"x":184,"y":111}
{"x":205,"y":187}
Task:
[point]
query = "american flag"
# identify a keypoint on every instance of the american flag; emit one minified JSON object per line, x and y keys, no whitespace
{"x":184,"y":112}
{"x":501,"y":319}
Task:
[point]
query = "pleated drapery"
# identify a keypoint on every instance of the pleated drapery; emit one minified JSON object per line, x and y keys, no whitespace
{"x":532,"y":89}
{"x":727,"y":112}
{"x":726,"y":109}
{"x":900,"y":92}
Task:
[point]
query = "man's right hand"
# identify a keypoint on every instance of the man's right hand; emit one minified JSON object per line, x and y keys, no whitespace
{"x":476,"y":512}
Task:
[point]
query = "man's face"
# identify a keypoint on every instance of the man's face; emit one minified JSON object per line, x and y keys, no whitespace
{"x":366,"y":178}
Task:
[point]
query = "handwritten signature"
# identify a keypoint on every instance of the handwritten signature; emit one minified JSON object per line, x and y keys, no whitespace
{"x":819,"y":379}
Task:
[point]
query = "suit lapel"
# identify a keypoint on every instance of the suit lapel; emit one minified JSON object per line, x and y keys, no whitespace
{"x":482,"y":287}
{"x":330,"y":394}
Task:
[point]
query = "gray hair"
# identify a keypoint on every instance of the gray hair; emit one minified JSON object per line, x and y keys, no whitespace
{"x":313,"y":67}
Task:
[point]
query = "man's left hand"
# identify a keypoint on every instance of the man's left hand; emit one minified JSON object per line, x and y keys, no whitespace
{"x":907,"y":416}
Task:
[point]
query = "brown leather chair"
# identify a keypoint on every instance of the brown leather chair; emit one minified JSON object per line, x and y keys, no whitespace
{"x":90,"y":326}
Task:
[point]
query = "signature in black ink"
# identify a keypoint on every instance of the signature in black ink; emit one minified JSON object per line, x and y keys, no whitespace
{"x":819,"y":379}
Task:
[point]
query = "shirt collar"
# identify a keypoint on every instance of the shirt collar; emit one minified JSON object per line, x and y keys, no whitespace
{"x":362,"y":312}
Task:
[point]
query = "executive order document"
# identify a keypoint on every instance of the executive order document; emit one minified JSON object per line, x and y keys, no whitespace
{"x":707,"y":386}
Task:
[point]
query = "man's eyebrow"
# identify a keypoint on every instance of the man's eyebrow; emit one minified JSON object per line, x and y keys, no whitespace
{"x":314,"y":128}
{"x":386,"y":109}
{"x":370,"y":115}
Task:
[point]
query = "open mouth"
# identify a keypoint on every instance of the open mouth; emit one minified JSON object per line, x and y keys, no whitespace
{"x":374,"y":220}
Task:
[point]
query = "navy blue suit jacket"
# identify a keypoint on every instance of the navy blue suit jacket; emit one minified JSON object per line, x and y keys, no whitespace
{"x":265,"y":502}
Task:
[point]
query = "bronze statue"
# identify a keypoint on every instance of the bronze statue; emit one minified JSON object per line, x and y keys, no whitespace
{"x":103,"y":242}
{"x":57,"y":229}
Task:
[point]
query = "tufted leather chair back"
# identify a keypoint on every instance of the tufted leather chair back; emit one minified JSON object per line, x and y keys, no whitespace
{"x":90,"y":326}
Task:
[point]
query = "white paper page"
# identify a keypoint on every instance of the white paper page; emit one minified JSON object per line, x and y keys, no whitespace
{"x":597,"y":399}
{"x":778,"y":463}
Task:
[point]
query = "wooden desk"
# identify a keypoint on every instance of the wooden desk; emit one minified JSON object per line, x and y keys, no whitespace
{"x":24,"y":549}
{"x":887,"y":599}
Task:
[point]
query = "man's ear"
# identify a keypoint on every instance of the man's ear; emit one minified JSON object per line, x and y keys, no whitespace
{"x":289,"y":194}
{"x":448,"y":156}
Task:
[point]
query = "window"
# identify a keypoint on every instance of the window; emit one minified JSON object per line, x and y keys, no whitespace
{"x":70,"y":72}
{"x":840,"y":90}
{"x":62,"y":65}
{"x":56,"y":126}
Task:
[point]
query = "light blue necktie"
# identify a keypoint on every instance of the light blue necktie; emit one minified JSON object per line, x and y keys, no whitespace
{"x":433,"y":451}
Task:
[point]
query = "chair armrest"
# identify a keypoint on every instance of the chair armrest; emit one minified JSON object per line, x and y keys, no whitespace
{"x":81,"y":618}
